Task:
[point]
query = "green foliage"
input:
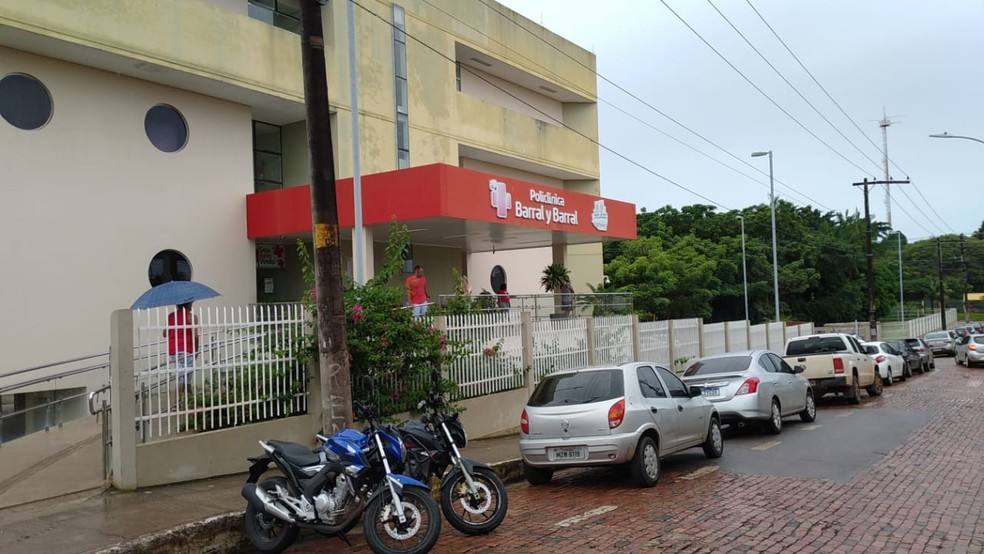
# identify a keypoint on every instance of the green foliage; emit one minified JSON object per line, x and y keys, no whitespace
{"x":404,"y":355}
{"x":554,"y":277}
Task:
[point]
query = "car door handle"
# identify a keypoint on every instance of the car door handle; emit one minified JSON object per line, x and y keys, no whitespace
{"x":679,"y":407}
{"x":653,"y":410}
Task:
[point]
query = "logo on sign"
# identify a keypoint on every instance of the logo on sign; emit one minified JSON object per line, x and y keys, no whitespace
{"x":599,"y":216}
{"x":500,"y":198}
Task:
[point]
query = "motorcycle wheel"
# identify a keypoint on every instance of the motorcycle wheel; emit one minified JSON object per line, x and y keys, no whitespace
{"x":474,"y":516}
{"x":267,"y":533}
{"x":386,"y":535}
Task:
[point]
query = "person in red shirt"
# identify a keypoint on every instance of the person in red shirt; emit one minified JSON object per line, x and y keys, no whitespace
{"x":503,"y":297}
{"x":417,"y":295}
{"x":182,"y":343}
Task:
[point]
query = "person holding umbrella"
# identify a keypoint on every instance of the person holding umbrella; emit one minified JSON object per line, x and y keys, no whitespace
{"x":182,"y":344}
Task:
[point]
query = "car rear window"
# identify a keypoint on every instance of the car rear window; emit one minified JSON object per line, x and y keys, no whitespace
{"x":870,"y":349}
{"x":979,"y":339}
{"x":815,"y":345}
{"x":932,"y":336}
{"x":583,"y":387}
{"x":728,"y":364}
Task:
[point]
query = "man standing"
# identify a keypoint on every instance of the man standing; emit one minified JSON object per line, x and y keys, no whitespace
{"x":417,"y":294}
{"x":182,"y":344}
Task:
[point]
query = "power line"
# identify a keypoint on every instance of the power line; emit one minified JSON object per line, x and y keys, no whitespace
{"x":783,"y":77}
{"x":760,"y":91}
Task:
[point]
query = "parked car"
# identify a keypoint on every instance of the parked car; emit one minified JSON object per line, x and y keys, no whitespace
{"x":834,"y":362}
{"x":913,"y":363}
{"x":753,"y":386}
{"x":941,"y":342}
{"x":888,"y":361}
{"x":925,"y":353}
{"x":632,"y":414}
{"x":970,"y":350}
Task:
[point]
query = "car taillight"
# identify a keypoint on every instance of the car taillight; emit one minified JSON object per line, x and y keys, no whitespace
{"x":838,"y":365}
{"x":879,"y":359}
{"x":616,"y":414}
{"x":972,"y":347}
{"x":750,"y":386}
{"x":524,"y":423}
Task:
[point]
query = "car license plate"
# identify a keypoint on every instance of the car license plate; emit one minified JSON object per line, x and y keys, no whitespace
{"x":712,"y":391}
{"x":568,"y":453}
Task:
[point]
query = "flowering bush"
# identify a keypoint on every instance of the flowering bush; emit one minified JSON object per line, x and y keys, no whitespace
{"x":404,"y":355}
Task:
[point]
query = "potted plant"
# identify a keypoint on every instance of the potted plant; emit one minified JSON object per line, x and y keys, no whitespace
{"x":557,"y":279}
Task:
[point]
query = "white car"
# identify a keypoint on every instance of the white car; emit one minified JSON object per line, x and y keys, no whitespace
{"x":888,"y":361}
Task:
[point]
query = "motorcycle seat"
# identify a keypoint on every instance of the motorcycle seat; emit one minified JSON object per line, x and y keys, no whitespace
{"x":297,"y":454}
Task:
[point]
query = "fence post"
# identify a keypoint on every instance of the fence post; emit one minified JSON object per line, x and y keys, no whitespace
{"x":123,"y":413}
{"x":670,"y":350}
{"x":700,"y":337}
{"x":441,"y":324}
{"x":526,"y":328}
{"x":636,"y":347}
{"x":748,"y":334}
{"x":592,"y":358}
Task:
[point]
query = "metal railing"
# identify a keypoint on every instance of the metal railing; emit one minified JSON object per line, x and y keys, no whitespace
{"x":541,"y":305}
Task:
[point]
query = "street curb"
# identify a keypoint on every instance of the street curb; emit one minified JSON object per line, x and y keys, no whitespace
{"x":223,"y":533}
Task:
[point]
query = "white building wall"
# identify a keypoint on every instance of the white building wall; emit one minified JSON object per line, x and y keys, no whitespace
{"x":87,"y":201}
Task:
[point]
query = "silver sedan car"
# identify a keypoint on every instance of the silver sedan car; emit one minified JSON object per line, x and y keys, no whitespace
{"x":633,"y":414}
{"x":753,"y":386}
{"x":970,"y":350}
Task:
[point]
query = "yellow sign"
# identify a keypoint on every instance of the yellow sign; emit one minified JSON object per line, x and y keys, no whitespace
{"x":325,"y":235}
{"x":975,"y":296}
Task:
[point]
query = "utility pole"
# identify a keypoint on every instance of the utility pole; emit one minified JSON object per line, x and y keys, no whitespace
{"x":885,"y":123}
{"x":336,"y":382}
{"x":869,"y":257}
{"x":966,"y":279}
{"x":939,"y":255}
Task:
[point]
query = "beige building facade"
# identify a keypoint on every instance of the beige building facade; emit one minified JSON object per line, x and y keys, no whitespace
{"x":163,"y":116}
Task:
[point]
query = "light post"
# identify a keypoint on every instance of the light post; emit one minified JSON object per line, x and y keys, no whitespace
{"x":944,"y":134}
{"x":744,"y":269}
{"x":772,"y":206}
{"x":901,"y":290}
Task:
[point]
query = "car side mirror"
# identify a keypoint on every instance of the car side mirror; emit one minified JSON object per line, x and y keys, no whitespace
{"x":695,"y":391}
{"x":799,"y":369}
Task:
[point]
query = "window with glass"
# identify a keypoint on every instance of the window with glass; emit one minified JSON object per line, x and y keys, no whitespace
{"x":401,"y":93}
{"x":167,"y":266}
{"x":25,"y":102}
{"x":267,"y":157}
{"x":285,"y":14}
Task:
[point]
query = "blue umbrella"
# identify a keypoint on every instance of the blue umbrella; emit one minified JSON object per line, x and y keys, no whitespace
{"x":173,"y":293}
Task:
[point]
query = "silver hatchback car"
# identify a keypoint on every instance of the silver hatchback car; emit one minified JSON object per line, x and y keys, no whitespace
{"x":632,"y":414}
{"x":753,"y":386}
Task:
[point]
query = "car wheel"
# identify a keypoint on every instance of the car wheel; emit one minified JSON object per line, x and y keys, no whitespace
{"x":537,"y":475}
{"x":890,"y":380}
{"x":957,"y":359}
{"x":644,"y":467}
{"x":774,"y":424}
{"x":854,"y":396}
{"x":809,"y":413}
{"x":876,"y":387}
{"x":714,"y":444}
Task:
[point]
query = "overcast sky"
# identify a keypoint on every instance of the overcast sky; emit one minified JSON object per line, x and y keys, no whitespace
{"x":920,"y":61}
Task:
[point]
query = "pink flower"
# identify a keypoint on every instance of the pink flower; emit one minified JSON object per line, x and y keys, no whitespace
{"x":395,"y":395}
{"x":489,"y":351}
{"x":314,"y":293}
{"x":444,"y":342}
{"x":383,"y":342}
{"x":358,"y":313}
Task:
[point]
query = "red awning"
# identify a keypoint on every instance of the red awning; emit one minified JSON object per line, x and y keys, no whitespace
{"x":455,"y":207}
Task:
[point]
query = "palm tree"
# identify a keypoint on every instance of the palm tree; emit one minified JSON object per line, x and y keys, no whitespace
{"x":554,"y":277}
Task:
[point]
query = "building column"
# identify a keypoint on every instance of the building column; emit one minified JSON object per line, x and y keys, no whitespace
{"x":560,"y":253}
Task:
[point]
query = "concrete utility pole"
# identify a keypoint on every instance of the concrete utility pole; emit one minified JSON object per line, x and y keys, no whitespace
{"x":939,"y":257}
{"x":336,"y":382}
{"x":869,"y":257}
{"x":885,"y":123}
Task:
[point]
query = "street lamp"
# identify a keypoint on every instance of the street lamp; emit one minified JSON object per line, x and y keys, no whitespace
{"x":944,"y":134}
{"x":901,"y":290}
{"x":772,"y":205}
{"x":744,"y":269}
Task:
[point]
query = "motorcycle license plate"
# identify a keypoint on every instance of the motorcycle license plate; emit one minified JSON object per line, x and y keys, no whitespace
{"x":712,"y":391}
{"x":568,"y":453}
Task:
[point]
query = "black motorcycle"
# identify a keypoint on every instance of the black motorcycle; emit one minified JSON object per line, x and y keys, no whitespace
{"x":473,"y":497}
{"x":329,"y":488}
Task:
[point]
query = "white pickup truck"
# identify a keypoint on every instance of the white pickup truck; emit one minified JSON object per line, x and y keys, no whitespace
{"x":834,"y":362}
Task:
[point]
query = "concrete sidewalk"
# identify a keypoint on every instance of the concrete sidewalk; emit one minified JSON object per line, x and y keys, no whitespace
{"x":199,"y":516}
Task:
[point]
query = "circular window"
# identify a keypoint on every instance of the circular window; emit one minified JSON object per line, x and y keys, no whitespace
{"x":166,"y":128}
{"x":498,"y":277}
{"x":168,"y":265}
{"x":24,"y":102}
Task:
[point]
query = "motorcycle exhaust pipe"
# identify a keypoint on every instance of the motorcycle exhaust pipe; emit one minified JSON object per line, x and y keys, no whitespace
{"x":261,"y":501}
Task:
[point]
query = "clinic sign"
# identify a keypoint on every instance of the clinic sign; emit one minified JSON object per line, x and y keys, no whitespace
{"x":538,"y":205}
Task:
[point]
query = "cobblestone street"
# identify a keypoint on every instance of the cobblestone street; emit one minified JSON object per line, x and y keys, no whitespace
{"x":925,"y":495}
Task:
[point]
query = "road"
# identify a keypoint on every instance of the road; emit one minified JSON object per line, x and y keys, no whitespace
{"x":899,"y":473}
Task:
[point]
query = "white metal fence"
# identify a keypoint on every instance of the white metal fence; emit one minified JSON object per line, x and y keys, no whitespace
{"x":613,"y":339}
{"x":686,"y":342}
{"x":654,"y":342}
{"x":494,"y":358}
{"x":218,"y":367}
{"x":713,"y":339}
{"x":559,"y":344}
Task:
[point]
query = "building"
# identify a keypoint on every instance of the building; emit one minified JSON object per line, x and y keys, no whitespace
{"x":137,"y":133}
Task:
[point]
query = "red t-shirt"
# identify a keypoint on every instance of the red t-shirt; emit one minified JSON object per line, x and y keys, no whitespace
{"x":418,"y":289}
{"x":180,"y":334}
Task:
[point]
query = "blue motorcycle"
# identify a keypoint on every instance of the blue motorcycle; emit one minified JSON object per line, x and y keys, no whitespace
{"x":328,"y":488}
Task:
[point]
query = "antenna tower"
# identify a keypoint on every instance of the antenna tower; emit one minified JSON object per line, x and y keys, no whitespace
{"x":884,"y":124}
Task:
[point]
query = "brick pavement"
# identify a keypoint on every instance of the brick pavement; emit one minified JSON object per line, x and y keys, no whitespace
{"x":926,"y":495}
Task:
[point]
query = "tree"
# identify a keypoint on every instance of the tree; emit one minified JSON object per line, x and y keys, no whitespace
{"x":554,"y":277}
